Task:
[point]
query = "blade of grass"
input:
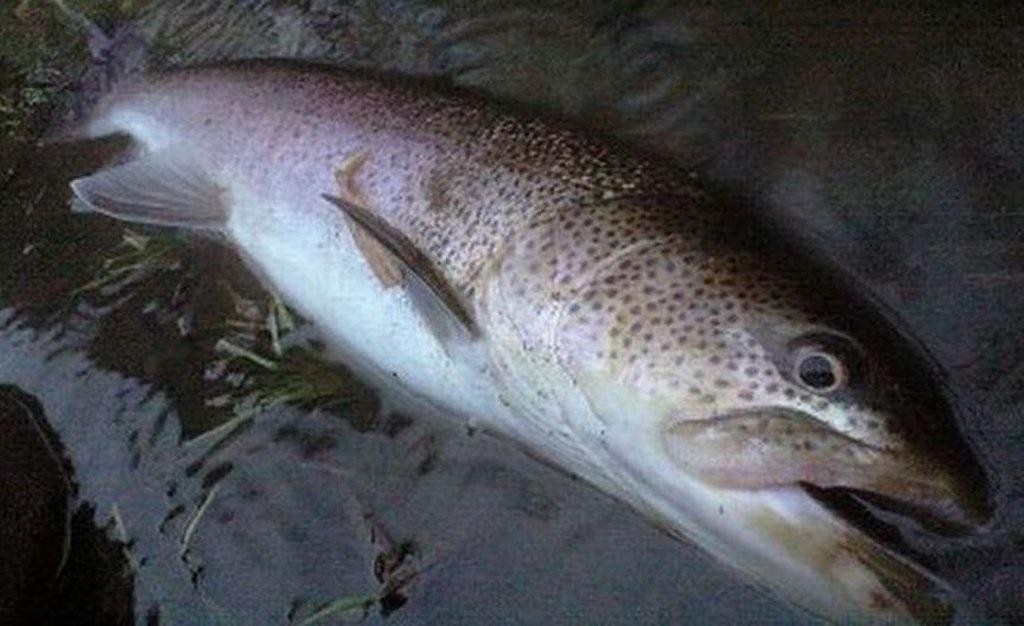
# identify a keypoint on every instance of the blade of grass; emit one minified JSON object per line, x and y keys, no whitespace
{"x":223,"y":345}
{"x":193,"y":522}
{"x":341,"y":605}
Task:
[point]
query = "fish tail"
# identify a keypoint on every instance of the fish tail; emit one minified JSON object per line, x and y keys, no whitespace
{"x":98,"y":40}
{"x":113,"y":58}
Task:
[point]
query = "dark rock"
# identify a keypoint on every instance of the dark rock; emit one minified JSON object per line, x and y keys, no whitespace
{"x":34,"y":512}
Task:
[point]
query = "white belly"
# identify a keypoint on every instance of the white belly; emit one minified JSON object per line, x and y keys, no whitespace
{"x":314,"y":266}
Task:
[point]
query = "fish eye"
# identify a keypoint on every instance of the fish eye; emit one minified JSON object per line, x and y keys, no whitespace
{"x":819,"y":371}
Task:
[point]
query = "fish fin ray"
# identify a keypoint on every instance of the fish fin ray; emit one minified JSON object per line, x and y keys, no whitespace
{"x":430,"y":293}
{"x":386,"y":267}
{"x":164,"y":189}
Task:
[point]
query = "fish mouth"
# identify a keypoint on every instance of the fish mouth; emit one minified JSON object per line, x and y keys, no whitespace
{"x":774,"y":447}
{"x":810,"y":496}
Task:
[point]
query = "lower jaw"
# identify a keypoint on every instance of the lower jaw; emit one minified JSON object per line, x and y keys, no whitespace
{"x":853,"y":563}
{"x":794,"y":541}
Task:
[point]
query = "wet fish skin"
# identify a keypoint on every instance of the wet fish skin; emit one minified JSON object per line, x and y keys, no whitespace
{"x":632,"y":328}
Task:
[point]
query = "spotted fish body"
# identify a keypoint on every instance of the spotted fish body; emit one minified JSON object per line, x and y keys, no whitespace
{"x":615,"y":318}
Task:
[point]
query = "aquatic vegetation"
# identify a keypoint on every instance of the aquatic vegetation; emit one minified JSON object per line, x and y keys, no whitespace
{"x":252,"y":321}
{"x":40,"y":61}
{"x":272,"y":366}
{"x":197,"y":516}
{"x":256,"y":350}
{"x":145,"y":256}
{"x":298,"y":377}
{"x":20,"y":102}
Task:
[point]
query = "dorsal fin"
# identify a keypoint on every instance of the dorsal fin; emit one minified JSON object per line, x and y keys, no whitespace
{"x":434,"y":298}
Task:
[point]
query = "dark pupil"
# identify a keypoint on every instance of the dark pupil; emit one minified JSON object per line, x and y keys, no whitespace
{"x":816,"y":372}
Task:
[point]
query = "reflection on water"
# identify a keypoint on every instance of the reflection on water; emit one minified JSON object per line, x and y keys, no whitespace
{"x":891,"y":140}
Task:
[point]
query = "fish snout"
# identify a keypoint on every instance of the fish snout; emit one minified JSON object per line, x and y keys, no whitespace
{"x":944,"y":495}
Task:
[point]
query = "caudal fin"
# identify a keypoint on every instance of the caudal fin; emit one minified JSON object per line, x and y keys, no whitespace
{"x":113,"y":58}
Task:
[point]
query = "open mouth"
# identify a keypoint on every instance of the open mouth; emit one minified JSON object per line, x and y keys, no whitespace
{"x":874,"y":512}
{"x":901,"y":572}
{"x":869,"y":573}
{"x":773,"y":447}
{"x":838,"y":506}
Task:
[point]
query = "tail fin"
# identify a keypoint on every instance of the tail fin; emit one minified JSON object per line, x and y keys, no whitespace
{"x":98,"y":40}
{"x":112,"y":59}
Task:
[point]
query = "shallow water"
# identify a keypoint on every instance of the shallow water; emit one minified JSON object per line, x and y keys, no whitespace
{"x":892,"y":141}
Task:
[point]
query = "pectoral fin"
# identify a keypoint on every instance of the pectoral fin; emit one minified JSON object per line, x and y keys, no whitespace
{"x":384,"y":265}
{"x":431,"y":294}
{"x":164,"y":188}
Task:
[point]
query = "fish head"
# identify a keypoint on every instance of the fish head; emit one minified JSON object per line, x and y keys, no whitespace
{"x":762,"y":405}
{"x":811,"y":383}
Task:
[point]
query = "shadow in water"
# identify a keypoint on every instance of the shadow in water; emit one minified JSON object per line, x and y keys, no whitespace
{"x":58,"y":568}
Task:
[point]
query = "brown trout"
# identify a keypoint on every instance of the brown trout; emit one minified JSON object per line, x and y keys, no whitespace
{"x":578,"y":297}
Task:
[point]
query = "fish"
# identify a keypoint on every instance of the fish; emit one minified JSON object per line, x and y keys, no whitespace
{"x":586,"y":300}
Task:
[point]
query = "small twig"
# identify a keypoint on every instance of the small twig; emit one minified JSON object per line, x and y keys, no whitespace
{"x":122,"y":536}
{"x":193,"y":523}
{"x":223,"y":345}
{"x":222,"y":431}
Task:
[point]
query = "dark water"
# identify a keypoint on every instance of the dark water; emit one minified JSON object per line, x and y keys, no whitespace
{"x":893,"y":139}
